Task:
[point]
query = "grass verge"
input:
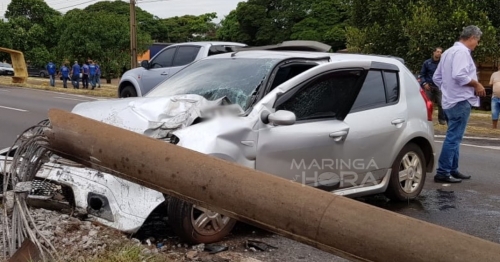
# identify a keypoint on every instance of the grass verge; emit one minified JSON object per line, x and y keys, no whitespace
{"x":106,"y":90}
{"x":128,"y":253}
{"x":479,"y":125}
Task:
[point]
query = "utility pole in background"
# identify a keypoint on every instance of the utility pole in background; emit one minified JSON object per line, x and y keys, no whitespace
{"x":133,"y":36}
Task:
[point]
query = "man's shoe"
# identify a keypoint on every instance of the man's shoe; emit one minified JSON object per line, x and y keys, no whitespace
{"x":460,"y":176}
{"x":442,"y":122}
{"x":446,"y":179}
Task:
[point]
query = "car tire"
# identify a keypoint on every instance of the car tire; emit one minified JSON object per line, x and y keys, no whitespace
{"x":128,"y":91}
{"x":409,"y":185}
{"x":42,"y":75}
{"x":183,"y":216}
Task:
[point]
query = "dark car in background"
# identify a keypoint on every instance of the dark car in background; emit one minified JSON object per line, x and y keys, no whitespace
{"x":37,"y":71}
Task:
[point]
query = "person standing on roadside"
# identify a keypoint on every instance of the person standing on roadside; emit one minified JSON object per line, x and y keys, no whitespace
{"x":431,"y":90}
{"x":85,"y":75}
{"x":75,"y":75}
{"x":457,"y":78}
{"x":92,"y":74}
{"x":64,"y":71}
{"x":51,"y":70}
{"x":98,"y":74}
{"x":495,"y":97}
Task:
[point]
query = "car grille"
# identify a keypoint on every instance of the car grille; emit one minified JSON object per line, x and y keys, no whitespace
{"x":45,"y":188}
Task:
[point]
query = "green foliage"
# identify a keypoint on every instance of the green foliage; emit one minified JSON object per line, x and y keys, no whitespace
{"x":105,"y":37}
{"x":145,"y":21}
{"x":264,"y":22}
{"x":188,"y":28}
{"x":412,"y":29}
{"x":33,"y":29}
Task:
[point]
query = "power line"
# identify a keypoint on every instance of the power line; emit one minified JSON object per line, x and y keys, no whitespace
{"x":87,"y":2}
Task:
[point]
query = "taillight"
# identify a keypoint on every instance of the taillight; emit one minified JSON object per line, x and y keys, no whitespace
{"x":428,"y":104}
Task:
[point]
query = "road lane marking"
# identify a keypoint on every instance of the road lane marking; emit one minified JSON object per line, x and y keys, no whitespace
{"x":12,"y":108}
{"x":68,"y":98}
{"x":473,"y":137}
{"x":485,"y":147}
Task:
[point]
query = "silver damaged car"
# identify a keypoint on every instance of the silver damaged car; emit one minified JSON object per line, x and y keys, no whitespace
{"x":353,"y":125}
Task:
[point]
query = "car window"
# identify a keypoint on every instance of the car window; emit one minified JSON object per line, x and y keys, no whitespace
{"x":163,"y":59}
{"x":372,"y":93}
{"x":185,"y":55}
{"x":391,"y":86}
{"x":324,"y":97}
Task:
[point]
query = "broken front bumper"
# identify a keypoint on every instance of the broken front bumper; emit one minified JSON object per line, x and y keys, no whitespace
{"x":106,"y":199}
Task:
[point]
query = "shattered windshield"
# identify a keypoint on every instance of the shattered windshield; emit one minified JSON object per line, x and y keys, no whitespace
{"x":234,"y":78}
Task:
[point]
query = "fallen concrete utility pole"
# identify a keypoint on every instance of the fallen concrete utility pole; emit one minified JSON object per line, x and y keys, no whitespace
{"x":332,"y":223}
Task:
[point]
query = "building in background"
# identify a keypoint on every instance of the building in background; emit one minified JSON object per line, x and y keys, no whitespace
{"x":152,"y":51}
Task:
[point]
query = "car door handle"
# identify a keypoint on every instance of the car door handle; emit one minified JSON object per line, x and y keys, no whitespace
{"x":164,"y":73}
{"x":337,"y":136}
{"x":397,"y":121}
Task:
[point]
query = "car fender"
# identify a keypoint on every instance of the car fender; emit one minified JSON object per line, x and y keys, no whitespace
{"x":128,"y":78}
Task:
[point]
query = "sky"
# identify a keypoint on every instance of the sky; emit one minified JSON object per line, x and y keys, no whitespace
{"x":160,"y":8}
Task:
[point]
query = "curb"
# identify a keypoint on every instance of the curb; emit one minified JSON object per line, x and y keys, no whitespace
{"x":472,"y":138}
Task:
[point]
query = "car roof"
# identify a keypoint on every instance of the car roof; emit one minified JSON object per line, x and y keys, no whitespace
{"x":269,"y":54}
{"x":209,"y":43}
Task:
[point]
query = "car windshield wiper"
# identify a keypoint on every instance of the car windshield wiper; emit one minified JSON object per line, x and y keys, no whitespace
{"x":253,"y":96}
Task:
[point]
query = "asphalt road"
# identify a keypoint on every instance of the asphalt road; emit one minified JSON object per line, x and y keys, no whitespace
{"x":22,"y":108}
{"x":472,"y":207}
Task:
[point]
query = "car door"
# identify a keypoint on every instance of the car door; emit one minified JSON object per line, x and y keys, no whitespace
{"x":184,"y":56}
{"x":377,"y":122}
{"x":306,"y":151}
{"x":159,"y":69}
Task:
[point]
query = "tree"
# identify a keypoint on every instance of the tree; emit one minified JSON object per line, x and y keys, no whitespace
{"x":188,"y":28}
{"x":229,"y":30}
{"x":5,"y":40}
{"x":33,"y":29}
{"x":264,"y":22}
{"x":413,"y":29}
{"x":146,"y":22}
{"x":105,"y":37}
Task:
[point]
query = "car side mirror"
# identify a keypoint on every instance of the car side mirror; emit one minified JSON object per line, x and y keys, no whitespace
{"x":279,"y":118}
{"x":145,"y":64}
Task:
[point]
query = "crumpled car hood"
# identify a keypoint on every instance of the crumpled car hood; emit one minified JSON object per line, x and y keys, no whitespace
{"x":156,"y":116}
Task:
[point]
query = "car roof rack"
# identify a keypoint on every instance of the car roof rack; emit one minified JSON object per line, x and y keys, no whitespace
{"x":388,"y":56}
{"x":294,"y":45}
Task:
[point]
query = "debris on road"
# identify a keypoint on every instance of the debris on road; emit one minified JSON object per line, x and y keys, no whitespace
{"x":252,"y":243}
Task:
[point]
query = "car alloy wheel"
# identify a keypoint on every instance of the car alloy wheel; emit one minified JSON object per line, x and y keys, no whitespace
{"x":195,"y":224}
{"x":410,"y":172}
{"x":207,"y":222}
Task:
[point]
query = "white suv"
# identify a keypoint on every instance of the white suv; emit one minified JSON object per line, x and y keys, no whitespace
{"x":171,"y":59}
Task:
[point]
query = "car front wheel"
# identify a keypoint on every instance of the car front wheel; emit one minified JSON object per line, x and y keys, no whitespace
{"x":197,"y":225}
{"x":128,"y":91}
{"x":408,"y":174}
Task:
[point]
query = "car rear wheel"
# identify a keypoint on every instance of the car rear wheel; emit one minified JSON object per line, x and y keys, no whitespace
{"x":128,"y":91}
{"x":408,"y":174}
{"x":195,"y":224}
{"x":42,"y":74}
